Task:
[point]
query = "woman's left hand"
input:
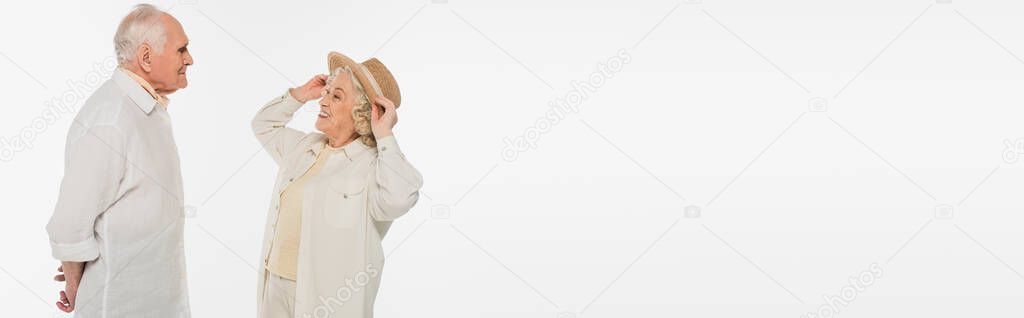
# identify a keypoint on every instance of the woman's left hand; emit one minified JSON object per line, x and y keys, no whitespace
{"x":381,"y":124}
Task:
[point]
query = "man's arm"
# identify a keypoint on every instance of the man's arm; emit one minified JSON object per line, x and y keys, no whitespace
{"x":71,"y":275}
{"x":94,"y":165}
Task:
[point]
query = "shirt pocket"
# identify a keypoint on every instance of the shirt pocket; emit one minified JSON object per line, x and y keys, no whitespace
{"x":345,"y":203}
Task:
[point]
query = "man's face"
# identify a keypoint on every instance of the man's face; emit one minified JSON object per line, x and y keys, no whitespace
{"x":167,"y":73}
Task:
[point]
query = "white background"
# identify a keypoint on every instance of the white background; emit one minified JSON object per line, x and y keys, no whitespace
{"x":714,"y":111}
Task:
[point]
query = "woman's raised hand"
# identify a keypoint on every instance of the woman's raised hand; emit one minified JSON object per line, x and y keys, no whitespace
{"x":311,"y":90}
{"x":381,"y":123}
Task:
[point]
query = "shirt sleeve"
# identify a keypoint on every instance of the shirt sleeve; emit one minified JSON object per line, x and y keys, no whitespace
{"x":269,"y":126}
{"x":94,"y":166}
{"x":396,"y":186}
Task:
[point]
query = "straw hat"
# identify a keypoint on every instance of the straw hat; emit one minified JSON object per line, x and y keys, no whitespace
{"x":372,"y":74}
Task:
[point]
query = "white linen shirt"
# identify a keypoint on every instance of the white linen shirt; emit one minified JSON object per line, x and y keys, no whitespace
{"x":120,"y":207}
{"x":347,"y":209}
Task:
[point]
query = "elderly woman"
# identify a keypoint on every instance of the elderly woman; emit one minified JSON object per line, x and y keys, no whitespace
{"x":336,"y":194}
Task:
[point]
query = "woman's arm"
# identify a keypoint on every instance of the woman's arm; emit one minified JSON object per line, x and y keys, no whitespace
{"x":396,"y":183}
{"x":269,"y":123}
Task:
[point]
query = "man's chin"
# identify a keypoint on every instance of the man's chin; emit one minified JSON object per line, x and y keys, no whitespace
{"x":180,"y":86}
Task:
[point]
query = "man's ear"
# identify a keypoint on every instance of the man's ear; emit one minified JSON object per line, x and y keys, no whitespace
{"x":144,"y":56}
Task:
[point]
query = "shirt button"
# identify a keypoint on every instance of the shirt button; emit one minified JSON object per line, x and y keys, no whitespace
{"x":291,"y":179}
{"x":383,"y":148}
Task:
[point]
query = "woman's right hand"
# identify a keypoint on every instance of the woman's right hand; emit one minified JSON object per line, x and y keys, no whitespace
{"x":311,"y":90}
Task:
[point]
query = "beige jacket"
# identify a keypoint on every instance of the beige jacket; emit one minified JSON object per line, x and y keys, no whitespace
{"x":347,"y":209}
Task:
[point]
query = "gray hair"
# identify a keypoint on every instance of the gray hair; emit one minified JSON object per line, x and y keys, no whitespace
{"x":141,"y":25}
{"x":361,"y":98}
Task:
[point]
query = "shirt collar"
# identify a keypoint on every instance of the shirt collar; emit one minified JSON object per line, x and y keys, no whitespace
{"x":140,"y":91}
{"x":350,"y":151}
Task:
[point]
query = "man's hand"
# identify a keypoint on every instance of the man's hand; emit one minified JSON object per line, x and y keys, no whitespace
{"x":311,"y":90}
{"x":381,"y":124}
{"x":72,"y":276}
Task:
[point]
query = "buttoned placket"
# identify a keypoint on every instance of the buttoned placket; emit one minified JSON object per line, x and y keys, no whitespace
{"x":277,"y":207}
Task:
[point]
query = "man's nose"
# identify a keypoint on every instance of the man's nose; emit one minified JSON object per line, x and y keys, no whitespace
{"x":188,"y":58}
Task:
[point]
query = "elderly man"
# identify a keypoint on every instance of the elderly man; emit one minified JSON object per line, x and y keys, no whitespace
{"x":118,"y":225}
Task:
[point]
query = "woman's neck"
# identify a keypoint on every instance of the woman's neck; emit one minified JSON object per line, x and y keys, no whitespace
{"x":339,"y":142}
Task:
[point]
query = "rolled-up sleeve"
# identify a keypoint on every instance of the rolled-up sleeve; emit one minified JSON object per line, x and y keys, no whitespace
{"x":94,"y":166}
{"x":269,"y":126}
{"x":397,"y":183}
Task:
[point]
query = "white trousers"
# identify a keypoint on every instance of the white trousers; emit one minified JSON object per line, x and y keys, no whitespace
{"x":278,"y":298}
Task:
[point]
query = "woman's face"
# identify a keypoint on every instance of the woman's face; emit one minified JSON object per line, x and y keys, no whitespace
{"x":335,"y":118}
